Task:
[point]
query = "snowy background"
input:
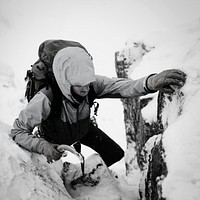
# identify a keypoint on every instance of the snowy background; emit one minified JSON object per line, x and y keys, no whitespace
{"x":172,"y":27}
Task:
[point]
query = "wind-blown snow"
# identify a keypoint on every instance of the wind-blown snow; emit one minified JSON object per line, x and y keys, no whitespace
{"x":27,"y":176}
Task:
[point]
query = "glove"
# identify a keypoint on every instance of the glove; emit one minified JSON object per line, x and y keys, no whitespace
{"x":49,"y":151}
{"x":166,"y":81}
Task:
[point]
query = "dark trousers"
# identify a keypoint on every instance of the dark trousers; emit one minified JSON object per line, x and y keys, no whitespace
{"x":109,"y":150}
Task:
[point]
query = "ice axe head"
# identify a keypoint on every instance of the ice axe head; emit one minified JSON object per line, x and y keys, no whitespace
{"x":63,"y":148}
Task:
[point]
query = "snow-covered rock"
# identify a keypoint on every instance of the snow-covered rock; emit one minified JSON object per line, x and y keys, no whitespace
{"x":25,"y":175}
{"x":180,"y":112}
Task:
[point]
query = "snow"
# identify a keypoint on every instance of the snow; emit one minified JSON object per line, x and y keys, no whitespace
{"x":25,"y":175}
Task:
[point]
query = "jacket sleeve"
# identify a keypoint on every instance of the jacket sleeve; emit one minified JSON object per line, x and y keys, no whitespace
{"x":119,"y":87}
{"x":30,"y":117}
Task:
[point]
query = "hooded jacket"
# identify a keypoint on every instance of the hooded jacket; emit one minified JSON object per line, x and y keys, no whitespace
{"x":71,"y":66}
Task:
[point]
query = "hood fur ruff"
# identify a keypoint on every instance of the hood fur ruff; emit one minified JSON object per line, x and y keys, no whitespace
{"x":72,"y":66}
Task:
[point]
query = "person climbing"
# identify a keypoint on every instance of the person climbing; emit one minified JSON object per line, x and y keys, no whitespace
{"x":67,"y":120}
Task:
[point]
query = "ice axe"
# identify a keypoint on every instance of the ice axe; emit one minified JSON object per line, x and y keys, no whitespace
{"x":64,"y":147}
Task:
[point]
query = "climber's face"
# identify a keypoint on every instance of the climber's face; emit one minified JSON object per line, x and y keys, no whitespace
{"x":81,"y":90}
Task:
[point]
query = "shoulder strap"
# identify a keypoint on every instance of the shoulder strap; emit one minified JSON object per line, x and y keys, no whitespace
{"x":91,"y":95}
{"x":91,"y":98}
{"x":56,"y":100}
{"x":48,"y":92}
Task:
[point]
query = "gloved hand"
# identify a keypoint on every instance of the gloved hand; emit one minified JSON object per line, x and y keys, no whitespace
{"x":166,"y":80}
{"x":49,"y":150}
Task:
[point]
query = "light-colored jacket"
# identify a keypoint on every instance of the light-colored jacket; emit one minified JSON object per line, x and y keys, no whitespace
{"x":73,"y":122}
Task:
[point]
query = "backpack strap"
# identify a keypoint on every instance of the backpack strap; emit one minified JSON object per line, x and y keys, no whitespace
{"x":55,"y":97}
{"x":91,"y":98}
{"x":47,"y":92}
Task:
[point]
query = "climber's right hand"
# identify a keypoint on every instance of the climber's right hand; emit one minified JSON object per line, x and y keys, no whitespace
{"x":49,"y":150}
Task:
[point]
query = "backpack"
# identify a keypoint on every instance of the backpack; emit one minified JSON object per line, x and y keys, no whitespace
{"x":41,"y":73}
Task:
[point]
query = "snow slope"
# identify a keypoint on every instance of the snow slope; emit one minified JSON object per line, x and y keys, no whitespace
{"x":27,"y":176}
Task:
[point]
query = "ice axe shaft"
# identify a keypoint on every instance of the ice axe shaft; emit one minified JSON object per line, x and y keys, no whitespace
{"x":82,"y":164}
{"x":77,"y":146}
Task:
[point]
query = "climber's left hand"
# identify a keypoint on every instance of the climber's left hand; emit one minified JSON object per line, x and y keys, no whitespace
{"x":166,"y":81}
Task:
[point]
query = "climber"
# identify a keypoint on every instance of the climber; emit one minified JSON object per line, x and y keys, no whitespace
{"x":69,"y":122}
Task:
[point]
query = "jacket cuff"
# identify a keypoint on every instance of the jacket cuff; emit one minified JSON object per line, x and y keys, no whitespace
{"x":145,"y":84}
{"x":39,"y":146}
